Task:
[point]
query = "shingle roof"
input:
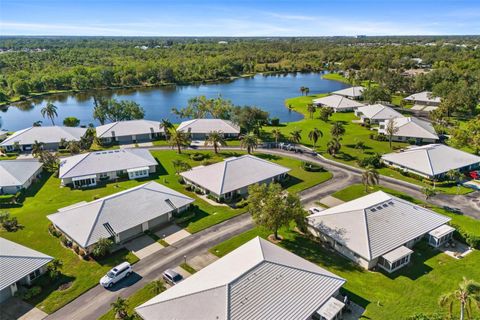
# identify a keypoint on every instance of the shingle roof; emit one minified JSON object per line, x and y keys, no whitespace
{"x":52,"y":134}
{"x":17,"y":172}
{"x":413,"y":128}
{"x":356,"y":91}
{"x":432,"y":159}
{"x":17,"y":261}
{"x":338,"y":102}
{"x":234,"y":173}
{"x":425,"y":96}
{"x":259,"y":280}
{"x":376,"y":223}
{"x":105,"y":161}
{"x":379,"y":112}
{"x":208,"y":125}
{"x":129,"y":128}
{"x":84,"y":222}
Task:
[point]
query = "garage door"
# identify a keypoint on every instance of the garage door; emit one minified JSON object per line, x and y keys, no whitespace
{"x":163,"y":219}
{"x":5,"y":294}
{"x":130,"y":233}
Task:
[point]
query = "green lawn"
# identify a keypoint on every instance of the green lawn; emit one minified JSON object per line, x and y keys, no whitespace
{"x":46,"y":197}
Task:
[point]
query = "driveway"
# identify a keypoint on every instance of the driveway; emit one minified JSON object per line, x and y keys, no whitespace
{"x":143,"y":246}
{"x":172,"y":234}
{"x":15,"y":308}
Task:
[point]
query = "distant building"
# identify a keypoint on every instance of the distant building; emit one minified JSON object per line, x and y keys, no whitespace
{"x":200,"y":128}
{"x":424,"y":98}
{"x":16,"y":175}
{"x":337,"y":103}
{"x":353,"y":93}
{"x":131,"y":131}
{"x":376,"y":113}
{"x":410,"y":128}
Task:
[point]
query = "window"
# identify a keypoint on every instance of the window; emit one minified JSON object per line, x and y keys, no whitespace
{"x":103,"y":175}
{"x":35,"y":274}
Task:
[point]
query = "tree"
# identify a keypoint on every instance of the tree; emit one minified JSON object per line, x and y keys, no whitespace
{"x":179,"y":139}
{"x":74,"y":147}
{"x":120,"y":308}
{"x":249,"y":142}
{"x":114,"y":110}
{"x":49,"y":161}
{"x":37,"y":123}
{"x":167,"y":127}
{"x":375,"y":94}
{"x":337,"y":129}
{"x":428,"y":192}
{"x":272,"y":209}
{"x":37,"y":148}
{"x":334,"y":146}
{"x":360,"y":145}
{"x":21,"y":87}
{"x":102,"y":247}
{"x":54,"y":268}
{"x":180,"y":166}
{"x":467,"y":294}
{"x":390,"y":130}
{"x":100,"y":109}
{"x":157,"y":287}
{"x":296,"y":136}
{"x":307,"y":91}
{"x":325,"y":113}
{"x":370,"y":178}
{"x":249,"y":118}
{"x":71,"y":122}
{"x":454,"y":175}
{"x":8,"y":223}
{"x":201,"y":107}
{"x":216,"y":139}
{"x":302,"y":90}
{"x":49,"y":111}
{"x":314,"y":135}
{"x":277,"y":134}
{"x":311,"y":109}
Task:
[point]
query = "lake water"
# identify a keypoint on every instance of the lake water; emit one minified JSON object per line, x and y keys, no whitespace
{"x":267,"y":92}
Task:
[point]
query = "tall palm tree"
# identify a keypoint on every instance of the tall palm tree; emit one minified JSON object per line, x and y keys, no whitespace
{"x":277,"y":134}
{"x":249,"y":142}
{"x":50,"y":111}
{"x":391,"y":129}
{"x":454,"y":175}
{"x":307,"y":91}
{"x":337,"y":129}
{"x":167,"y":127}
{"x":302,"y":90}
{"x":296,"y":136}
{"x":370,"y":178}
{"x":311,"y":109}
{"x":314,"y":135}
{"x":119,"y":306}
{"x":216,"y":138}
{"x":37,"y":148}
{"x":333,"y":146}
{"x":468,"y":293}
{"x":179,"y":139}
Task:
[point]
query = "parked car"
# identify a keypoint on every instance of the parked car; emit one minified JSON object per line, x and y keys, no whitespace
{"x":172,"y":277}
{"x":314,"y":210}
{"x":116,"y":274}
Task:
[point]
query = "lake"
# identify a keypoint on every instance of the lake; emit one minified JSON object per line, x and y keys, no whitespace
{"x":267,"y":92}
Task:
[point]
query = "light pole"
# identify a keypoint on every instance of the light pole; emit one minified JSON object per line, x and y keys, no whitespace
{"x":185,"y":259}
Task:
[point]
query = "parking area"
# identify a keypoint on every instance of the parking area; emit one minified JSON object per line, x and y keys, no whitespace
{"x":15,"y":308}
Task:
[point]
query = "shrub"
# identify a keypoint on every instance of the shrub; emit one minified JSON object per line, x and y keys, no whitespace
{"x":9,"y":224}
{"x":411,"y":141}
{"x":242,"y":203}
{"x":275,"y":121}
{"x":189,"y":187}
{"x":311,"y":167}
{"x":76,"y":248}
{"x":64,"y":240}
{"x":28,"y":293}
{"x":102,"y":247}
{"x":197,"y":156}
{"x":381,"y":137}
{"x":7,"y":198}
{"x":198,"y":191}
{"x":95,"y":197}
{"x":54,"y":232}
{"x":371,"y":161}
{"x":206,"y":162}
{"x":473,"y":240}
{"x":180,"y":180}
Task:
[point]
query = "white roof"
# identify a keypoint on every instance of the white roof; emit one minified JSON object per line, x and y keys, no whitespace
{"x":379,"y":112}
{"x":17,"y":261}
{"x":17,"y":172}
{"x":85,"y":223}
{"x":233,"y":173}
{"x":376,"y":224}
{"x":105,"y":161}
{"x":432,"y":159}
{"x":350,"y":92}
{"x":441,"y":231}
{"x":425,"y":96}
{"x":413,"y":128}
{"x":259,"y":280}
{"x":208,"y":125}
{"x":129,"y":128}
{"x":397,"y":254}
{"x":331,"y":308}
{"x":338,"y":102}
{"x":52,"y":134}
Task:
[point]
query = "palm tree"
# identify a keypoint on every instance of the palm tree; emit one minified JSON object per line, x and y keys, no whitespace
{"x":37,"y":123}
{"x":167,"y":127}
{"x":337,"y":129}
{"x":468,"y":293}
{"x":333,"y":146}
{"x":120,"y":308}
{"x":302,"y":89}
{"x":179,"y":139}
{"x":54,"y":267}
{"x":311,"y":109}
{"x":180,"y":165}
{"x":296,"y":136}
{"x":370,"y":178}
{"x":360,"y":145}
{"x":277,"y":134}
{"x":249,"y":142}
{"x":314,"y":135}
{"x":391,"y":129}
{"x":37,"y":148}
{"x":307,"y":91}
{"x":158,"y":287}
{"x":50,"y":111}
{"x":454,"y":175}
{"x":216,"y":139}
{"x":428,"y":192}
{"x":74,"y":147}
{"x":325,"y":113}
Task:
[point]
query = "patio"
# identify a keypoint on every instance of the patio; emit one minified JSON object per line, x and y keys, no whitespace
{"x":456,"y":249}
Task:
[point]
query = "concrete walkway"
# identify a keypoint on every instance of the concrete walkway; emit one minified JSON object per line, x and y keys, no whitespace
{"x":15,"y":308}
{"x":330,"y":201}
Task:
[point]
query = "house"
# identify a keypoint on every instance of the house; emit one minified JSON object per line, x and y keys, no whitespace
{"x":231,"y":178}
{"x":337,"y":103}
{"x":258,"y":280}
{"x":432,"y":161}
{"x":49,"y":135}
{"x":16,"y":175}
{"x":423,"y":101}
{"x":20,"y":266}
{"x":200,"y":128}
{"x":410,"y":128}
{"x":87,"y":169}
{"x":120,"y":216}
{"x":379,"y":229}
{"x":354,"y":93}
{"x":131,"y":131}
{"x":376,"y":113}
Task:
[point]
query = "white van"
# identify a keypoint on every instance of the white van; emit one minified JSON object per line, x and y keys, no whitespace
{"x":119,"y":272}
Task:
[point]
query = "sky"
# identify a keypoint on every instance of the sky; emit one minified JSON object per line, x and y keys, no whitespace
{"x":239,"y":17}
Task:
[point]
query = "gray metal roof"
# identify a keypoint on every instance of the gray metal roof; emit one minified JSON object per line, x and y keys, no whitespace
{"x":356,"y":92}
{"x":259,"y":280}
{"x":376,"y":224}
{"x":234,"y":173}
{"x":208,"y":125}
{"x":379,"y":112}
{"x":129,"y":128}
{"x":17,"y":172}
{"x":17,"y":261}
{"x":105,"y":161}
{"x":84,"y":223}
{"x":338,"y":102}
{"x":432,"y":159}
{"x":425,"y":96}
{"x":412,"y":127}
{"x":48,"y":134}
